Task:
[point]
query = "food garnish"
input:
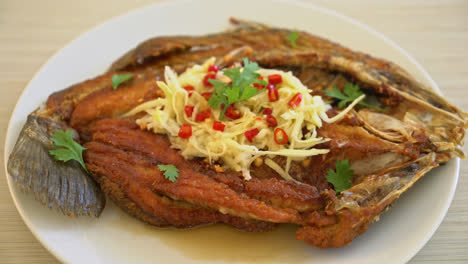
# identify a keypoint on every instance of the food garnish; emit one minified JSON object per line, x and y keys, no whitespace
{"x":271,"y":120}
{"x":208,"y":78}
{"x":280,"y":136}
{"x":292,"y":37}
{"x":239,"y":89}
{"x":213,"y":68}
{"x":118,"y":79}
{"x":67,"y":148}
{"x":341,"y":176}
{"x":248,"y":129}
{"x":351,"y":92}
{"x":217,"y":125}
{"x":275,"y":79}
{"x":268,"y":111}
{"x":272,"y":93}
{"x":189,"y":110}
{"x":296,"y":100}
{"x":185,"y":131}
{"x":171,"y":173}
{"x":250,"y":134}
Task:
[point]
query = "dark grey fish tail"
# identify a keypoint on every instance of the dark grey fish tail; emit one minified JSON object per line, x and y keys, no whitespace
{"x":62,"y":186}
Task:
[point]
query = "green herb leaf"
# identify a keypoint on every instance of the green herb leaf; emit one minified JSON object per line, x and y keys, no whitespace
{"x":118,"y":79}
{"x":241,"y":88}
{"x":170,"y":172}
{"x":292,"y":37}
{"x":341,"y":177}
{"x":67,"y":148}
{"x":218,"y":96}
{"x":248,"y":92}
{"x":351,"y":93}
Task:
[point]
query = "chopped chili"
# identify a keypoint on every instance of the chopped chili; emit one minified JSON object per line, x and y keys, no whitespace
{"x":233,"y":112}
{"x":207,"y":78}
{"x":185,"y":131}
{"x":280,"y":136}
{"x":271,"y":120}
{"x":201,"y":116}
{"x":267,"y":111}
{"x":217,"y":125}
{"x":272,"y":93}
{"x":295,"y":101}
{"x":213,"y":68}
{"x":189,"y":110}
{"x":250,"y":134}
{"x":275,"y":79}
{"x":207,"y":95}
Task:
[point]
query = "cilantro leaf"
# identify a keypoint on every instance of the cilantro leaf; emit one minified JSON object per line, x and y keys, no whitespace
{"x":218,"y":96}
{"x":336,"y":93}
{"x":118,"y":79}
{"x":239,"y":90}
{"x":67,"y":148}
{"x":350,"y":93}
{"x":341,"y":177}
{"x":170,"y":172}
{"x":233,"y":94}
{"x":248,"y":92}
{"x":292,"y":37}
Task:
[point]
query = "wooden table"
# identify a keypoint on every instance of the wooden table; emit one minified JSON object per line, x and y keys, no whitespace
{"x":434,"y":32}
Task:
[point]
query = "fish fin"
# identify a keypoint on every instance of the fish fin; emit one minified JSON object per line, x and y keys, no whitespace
{"x":62,"y":186}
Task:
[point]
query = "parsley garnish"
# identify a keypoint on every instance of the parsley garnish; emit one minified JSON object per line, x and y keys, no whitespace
{"x":351,"y":92}
{"x":68,"y":149}
{"x":170,"y":172}
{"x":240,"y":89}
{"x":292,"y":37}
{"x":341,"y":177}
{"x":118,"y":79}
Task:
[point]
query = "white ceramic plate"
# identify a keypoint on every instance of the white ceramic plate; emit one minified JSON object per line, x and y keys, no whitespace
{"x":118,"y":238}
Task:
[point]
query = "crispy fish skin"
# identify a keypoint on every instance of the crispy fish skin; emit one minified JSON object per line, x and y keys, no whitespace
{"x":143,"y":202}
{"x":421,"y":130}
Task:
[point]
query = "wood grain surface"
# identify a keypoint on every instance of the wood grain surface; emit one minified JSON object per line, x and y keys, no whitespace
{"x":434,"y":32}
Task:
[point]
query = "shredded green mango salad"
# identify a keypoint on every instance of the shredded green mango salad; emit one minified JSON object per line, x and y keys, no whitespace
{"x":268,"y":122}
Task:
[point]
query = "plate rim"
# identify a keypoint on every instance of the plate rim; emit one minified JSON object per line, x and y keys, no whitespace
{"x":300,"y":3}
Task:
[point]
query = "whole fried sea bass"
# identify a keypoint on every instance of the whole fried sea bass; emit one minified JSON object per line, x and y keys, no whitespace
{"x":388,"y":150}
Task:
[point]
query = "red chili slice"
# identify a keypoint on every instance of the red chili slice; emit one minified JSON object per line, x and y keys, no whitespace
{"x":189,"y":89}
{"x":189,"y":110}
{"x":272,"y":93}
{"x":213,"y":68}
{"x":280,"y":136}
{"x":233,"y":112}
{"x":185,"y":131}
{"x":201,"y":116}
{"x":207,"y":95}
{"x":275,"y":79}
{"x":267,"y":111}
{"x":295,"y":101}
{"x":207,"y":78}
{"x":218,"y":126}
{"x":250,"y":134}
{"x":271,"y":120}
{"x":259,"y":86}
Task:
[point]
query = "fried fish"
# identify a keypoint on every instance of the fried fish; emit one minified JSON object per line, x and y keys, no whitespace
{"x":388,"y":150}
